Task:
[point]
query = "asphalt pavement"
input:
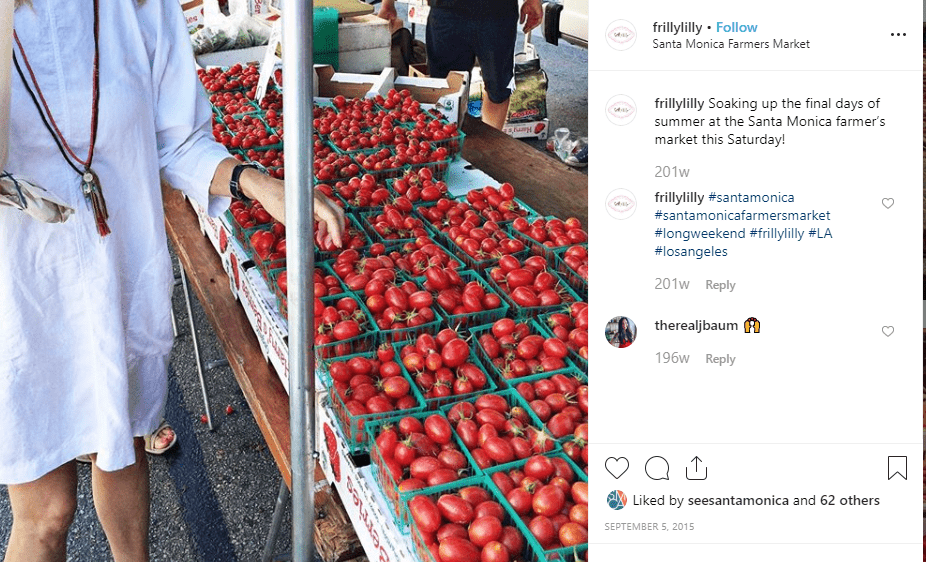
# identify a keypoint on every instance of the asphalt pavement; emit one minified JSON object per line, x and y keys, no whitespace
{"x":213,"y":494}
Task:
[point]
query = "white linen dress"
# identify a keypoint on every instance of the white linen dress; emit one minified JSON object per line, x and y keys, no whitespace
{"x":85,"y":328}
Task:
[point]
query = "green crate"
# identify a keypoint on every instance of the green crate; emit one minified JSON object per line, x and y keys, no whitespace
{"x":575,"y":281}
{"x":366,"y":341}
{"x":400,"y":335}
{"x":438,"y":169}
{"x":367,"y":225}
{"x":383,"y":477}
{"x":511,"y":519}
{"x":513,"y":399}
{"x":577,"y":360}
{"x":397,"y":246}
{"x":582,"y":377}
{"x":390,"y":184}
{"x":539,"y":553}
{"x":437,"y":403}
{"x":352,"y":426}
{"x":538,"y":248}
{"x":281,"y":299}
{"x":380,"y":175}
{"x":529,"y":211}
{"x":470,"y":319}
{"x":526,"y":312}
{"x":504,"y":382}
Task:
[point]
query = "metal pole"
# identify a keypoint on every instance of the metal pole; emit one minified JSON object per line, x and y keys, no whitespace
{"x":199,"y":361}
{"x":297,"y":121}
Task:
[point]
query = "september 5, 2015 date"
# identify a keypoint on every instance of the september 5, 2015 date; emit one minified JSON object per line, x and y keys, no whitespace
{"x":613,"y":526}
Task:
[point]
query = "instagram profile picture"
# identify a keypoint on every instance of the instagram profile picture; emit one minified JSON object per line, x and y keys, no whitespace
{"x":621,"y":110}
{"x":621,"y":35}
{"x":621,"y":204}
{"x":620,"y":332}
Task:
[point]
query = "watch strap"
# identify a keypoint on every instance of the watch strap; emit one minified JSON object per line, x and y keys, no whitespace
{"x":234,"y":185}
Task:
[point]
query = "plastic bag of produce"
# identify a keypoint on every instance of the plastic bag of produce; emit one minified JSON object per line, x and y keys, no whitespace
{"x":238,"y":31}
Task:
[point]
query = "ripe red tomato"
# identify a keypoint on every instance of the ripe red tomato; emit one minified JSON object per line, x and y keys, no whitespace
{"x":455,"y":549}
{"x":495,"y":551}
{"x":484,"y":530}
{"x":455,"y":509}
{"x":572,"y":533}
{"x":438,"y":428}
{"x":425,"y":513}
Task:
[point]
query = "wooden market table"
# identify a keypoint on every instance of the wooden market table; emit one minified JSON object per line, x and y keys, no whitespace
{"x":543,"y":182}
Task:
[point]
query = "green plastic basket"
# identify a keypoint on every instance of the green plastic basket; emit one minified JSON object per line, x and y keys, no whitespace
{"x":511,"y":519}
{"x":574,"y":373}
{"x":367,"y":225}
{"x":529,"y":211}
{"x":470,"y":319}
{"x":577,"y":360}
{"x":540,"y":554}
{"x":513,"y":399}
{"x":575,"y":281}
{"x":568,"y":296}
{"x":383,"y":477}
{"x":536,"y":247}
{"x":398,"y":246}
{"x":437,"y":403}
{"x":504,"y":382}
{"x":364,"y":342}
{"x":352,"y":426}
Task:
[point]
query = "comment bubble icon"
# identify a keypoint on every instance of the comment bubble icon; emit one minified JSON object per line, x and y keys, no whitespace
{"x":657,"y":468}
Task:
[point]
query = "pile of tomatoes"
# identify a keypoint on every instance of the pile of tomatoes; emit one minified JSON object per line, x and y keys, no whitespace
{"x":369,"y":384}
{"x":420,"y":255}
{"x":496,"y":204}
{"x":549,"y":497}
{"x":336,"y":323}
{"x":516,"y":350}
{"x":561,"y":403}
{"x":466,"y":525}
{"x":497,"y":430}
{"x":418,"y":454}
{"x":529,"y":283}
{"x":441,"y":366}
{"x":420,"y":185}
{"x":571,"y":328}
{"x":552,"y":232}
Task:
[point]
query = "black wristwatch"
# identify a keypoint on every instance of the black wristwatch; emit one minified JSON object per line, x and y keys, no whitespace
{"x":234,"y":186}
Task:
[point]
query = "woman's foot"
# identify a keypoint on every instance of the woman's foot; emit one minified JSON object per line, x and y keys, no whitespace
{"x":157,"y":443}
{"x":161,"y":440}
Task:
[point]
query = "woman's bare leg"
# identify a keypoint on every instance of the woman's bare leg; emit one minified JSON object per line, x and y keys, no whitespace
{"x":42,"y":514}
{"x":122,"y":503}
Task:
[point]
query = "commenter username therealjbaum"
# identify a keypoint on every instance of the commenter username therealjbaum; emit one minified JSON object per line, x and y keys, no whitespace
{"x":692,"y":28}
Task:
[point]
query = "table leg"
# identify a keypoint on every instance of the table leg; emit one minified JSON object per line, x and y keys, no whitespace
{"x":199,"y":362}
{"x":276,"y":522}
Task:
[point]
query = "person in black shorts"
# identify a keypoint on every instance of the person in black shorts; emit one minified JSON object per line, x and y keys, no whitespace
{"x":460,"y":31}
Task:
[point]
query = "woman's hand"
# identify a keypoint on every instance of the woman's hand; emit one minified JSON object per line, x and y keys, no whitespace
{"x":330,"y":218}
{"x":271,"y":193}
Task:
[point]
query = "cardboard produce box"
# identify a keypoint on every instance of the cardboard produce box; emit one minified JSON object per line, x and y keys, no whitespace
{"x":193,"y":13}
{"x":447,"y":95}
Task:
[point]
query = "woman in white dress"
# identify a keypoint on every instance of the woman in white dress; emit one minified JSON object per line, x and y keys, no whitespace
{"x":85,"y":303}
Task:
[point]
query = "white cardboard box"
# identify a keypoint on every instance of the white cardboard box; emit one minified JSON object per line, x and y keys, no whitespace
{"x":365,"y":504}
{"x":532,"y":129}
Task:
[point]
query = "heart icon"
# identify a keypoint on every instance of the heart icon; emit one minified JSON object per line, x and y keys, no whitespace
{"x":887,"y":330}
{"x":616,"y":466}
{"x":888,"y":202}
